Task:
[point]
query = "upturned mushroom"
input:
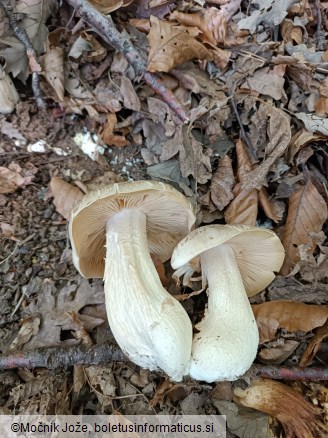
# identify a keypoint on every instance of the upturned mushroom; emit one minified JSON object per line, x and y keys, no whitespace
{"x":236,"y":261}
{"x":114,"y":231}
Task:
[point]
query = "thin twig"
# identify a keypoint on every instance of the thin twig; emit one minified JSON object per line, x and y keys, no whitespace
{"x":294,"y":373}
{"x":58,"y":357}
{"x":34,"y":64}
{"x":112,"y":36}
{"x":320,"y":34}
{"x":244,"y":136}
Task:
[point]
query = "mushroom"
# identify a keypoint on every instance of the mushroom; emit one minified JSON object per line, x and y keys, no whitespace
{"x":114,"y":231}
{"x":236,"y":261}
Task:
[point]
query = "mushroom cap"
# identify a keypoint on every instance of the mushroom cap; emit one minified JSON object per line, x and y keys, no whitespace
{"x":258,"y":251}
{"x":170,"y":217}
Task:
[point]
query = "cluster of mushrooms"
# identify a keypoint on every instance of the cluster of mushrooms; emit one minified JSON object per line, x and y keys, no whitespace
{"x":116,"y":231}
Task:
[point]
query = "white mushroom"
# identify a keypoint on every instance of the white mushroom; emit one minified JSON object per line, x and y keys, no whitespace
{"x":236,"y":261}
{"x":113,"y":231}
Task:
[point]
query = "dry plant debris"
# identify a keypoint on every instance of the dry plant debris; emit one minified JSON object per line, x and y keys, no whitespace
{"x":227,"y":100}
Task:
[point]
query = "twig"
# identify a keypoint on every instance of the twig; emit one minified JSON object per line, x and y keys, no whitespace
{"x":320,"y":34}
{"x":112,"y":36}
{"x":58,"y":357}
{"x":244,"y":136}
{"x":30,"y":52}
{"x":294,"y":373}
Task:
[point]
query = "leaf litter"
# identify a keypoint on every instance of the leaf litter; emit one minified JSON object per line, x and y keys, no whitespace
{"x":253,"y":80}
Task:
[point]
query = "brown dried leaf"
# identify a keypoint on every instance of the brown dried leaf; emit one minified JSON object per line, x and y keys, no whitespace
{"x":314,"y":345}
{"x":53,"y":67}
{"x":65,"y":196}
{"x":171,"y":45}
{"x":192,"y":159}
{"x":291,"y":315}
{"x":279,"y":133}
{"x":274,"y":209}
{"x":300,"y":140}
{"x":307,"y":213}
{"x":291,"y":33}
{"x":298,"y":417}
{"x":130,"y":97}
{"x":268,"y":82}
{"x":108,"y":6}
{"x":222,"y":182}
{"x":243,"y":208}
{"x":102,"y":382}
{"x":53,"y":308}
{"x":12,"y":179}
{"x":278,"y":354}
{"x":321,"y":106}
{"x":196,"y":21}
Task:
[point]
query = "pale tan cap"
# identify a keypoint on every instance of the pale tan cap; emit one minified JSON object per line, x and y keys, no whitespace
{"x":170,"y":217}
{"x":258,"y":251}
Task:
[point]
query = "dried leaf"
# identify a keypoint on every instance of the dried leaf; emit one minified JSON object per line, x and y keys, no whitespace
{"x":222,"y":183}
{"x":171,"y":45}
{"x":53,"y":67}
{"x":108,"y":6}
{"x":307,"y":213}
{"x":243,"y":422}
{"x":12,"y":179}
{"x":299,"y":418}
{"x":192,"y":159}
{"x":65,"y":196}
{"x":53,"y":308}
{"x":196,"y":21}
{"x":314,"y":345}
{"x":314,"y":123}
{"x":270,"y":12}
{"x":33,"y":14}
{"x":243,"y":208}
{"x":300,"y":140}
{"x":267,"y":81}
{"x":274,"y":209}
{"x":321,"y":106}
{"x":130,"y":97}
{"x":279,"y":133}
{"x":102,"y":382}
{"x":29,"y":327}
{"x":291,"y":315}
{"x":278,"y":354}
{"x":291,"y":33}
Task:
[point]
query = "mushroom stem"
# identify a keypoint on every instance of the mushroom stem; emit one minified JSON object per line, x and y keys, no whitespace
{"x":228,"y":339}
{"x":149,"y":325}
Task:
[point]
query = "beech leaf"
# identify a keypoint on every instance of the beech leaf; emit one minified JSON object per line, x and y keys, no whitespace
{"x":307,"y":212}
{"x":171,"y":45}
{"x":291,"y":315}
{"x":65,"y":196}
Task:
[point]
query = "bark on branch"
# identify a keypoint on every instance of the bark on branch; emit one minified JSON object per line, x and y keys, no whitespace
{"x":59,"y":357}
{"x":34,"y":64}
{"x":108,"y":31}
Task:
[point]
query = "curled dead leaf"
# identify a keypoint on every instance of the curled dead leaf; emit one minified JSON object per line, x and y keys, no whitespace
{"x":171,"y":45}
{"x":314,"y":345}
{"x":65,"y":196}
{"x":307,"y":212}
{"x":291,"y":315}
{"x":299,"y":418}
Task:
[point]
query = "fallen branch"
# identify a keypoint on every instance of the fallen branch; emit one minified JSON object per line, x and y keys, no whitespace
{"x":108,"y":31}
{"x":293,"y":373}
{"x":60,"y":357}
{"x":30,"y":52}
